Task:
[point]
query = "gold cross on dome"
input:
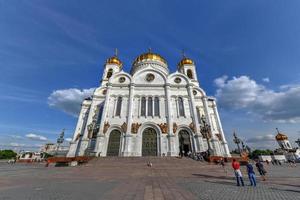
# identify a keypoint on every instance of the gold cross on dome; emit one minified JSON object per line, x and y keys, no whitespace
{"x":116,"y":52}
{"x":182,"y":53}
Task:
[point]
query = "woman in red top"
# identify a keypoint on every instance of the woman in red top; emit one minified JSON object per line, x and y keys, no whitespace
{"x":237,"y":172}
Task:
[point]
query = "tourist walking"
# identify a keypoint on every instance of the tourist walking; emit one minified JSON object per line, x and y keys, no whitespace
{"x":260,"y":168}
{"x":251,"y":174}
{"x":237,"y":172}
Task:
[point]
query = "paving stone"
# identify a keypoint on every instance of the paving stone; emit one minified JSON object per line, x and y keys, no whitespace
{"x":130,"y":178}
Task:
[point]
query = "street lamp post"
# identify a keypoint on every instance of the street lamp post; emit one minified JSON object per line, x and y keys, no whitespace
{"x":205,"y":130}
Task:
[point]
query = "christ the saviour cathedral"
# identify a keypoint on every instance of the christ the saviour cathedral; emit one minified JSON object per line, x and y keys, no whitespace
{"x":148,"y":112}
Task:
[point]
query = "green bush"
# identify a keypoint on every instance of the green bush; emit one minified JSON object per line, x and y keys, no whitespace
{"x":7,"y":154}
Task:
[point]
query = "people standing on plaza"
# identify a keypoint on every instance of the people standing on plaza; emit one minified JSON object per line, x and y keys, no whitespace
{"x":222,"y":163}
{"x":251,"y":174}
{"x":237,"y":172}
{"x":260,"y":168}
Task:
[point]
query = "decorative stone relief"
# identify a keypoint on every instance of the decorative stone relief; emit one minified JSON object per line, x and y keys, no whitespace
{"x":122,"y":79}
{"x":219,"y":136}
{"x":192,"y":126}
{"x":124,"y":127}
{"x":177,"y":80}
{"x":135,"y":127}
{"x":106,"y":126}
{"x":174,"y":127}
{"x":90,"y":130}
{"x":163,"y":127}
{"x":150,"y":77}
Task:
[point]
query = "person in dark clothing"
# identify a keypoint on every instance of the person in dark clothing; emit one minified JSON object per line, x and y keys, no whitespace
{"x":261,"y":170}
{"x":251,"y":174}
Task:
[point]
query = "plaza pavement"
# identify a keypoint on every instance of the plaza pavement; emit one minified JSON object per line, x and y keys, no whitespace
{"x":130,"y":178}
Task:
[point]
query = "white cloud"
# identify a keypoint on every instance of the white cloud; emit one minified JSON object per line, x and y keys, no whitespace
{"x":267,"y":80}
{"x":261,"y":138}
{"x":68,"y":139}
{"x":69,"y":100}
{"x":245,"y":94}
{"x":15,"y":144}
{"x":220,"y":82}
{"x":263,"y":142}
{"x":33,"y":136}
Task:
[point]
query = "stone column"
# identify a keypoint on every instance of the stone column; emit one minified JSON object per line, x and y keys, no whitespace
{"x":197,"y":135}
{"x":171,"y":136}
{"x":213,"y":139}
{"x":224,"y":142}
{"x":127,"y":136}
{"x":101,"y":139}
{"x":81,"y":123}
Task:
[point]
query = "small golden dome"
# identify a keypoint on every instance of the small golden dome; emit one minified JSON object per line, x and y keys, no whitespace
{"x":186,"y":61}
{"x":149,"y":56}
{"x":114,"y":60}
{"x":281,"y":137}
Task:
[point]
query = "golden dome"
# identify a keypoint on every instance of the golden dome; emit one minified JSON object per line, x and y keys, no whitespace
{"x":281,"y":137}
{"x":149,"y":56}
{"x":114,"y":60}
{"x":186,"y":61}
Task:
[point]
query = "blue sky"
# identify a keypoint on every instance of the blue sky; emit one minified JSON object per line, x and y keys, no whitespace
{"x":52,"y":52}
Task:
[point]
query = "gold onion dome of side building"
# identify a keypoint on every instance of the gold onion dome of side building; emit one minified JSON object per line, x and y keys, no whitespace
{"x":185,"y":61}
{"x":149,"y":56}
{"x":114,"y":60}
{"x":281,"y":137}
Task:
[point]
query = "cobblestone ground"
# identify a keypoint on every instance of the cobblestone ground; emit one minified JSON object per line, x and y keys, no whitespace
{"x":130,"y":178}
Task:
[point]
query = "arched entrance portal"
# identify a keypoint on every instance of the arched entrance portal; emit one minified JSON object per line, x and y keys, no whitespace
{"x":149,"y":145}
{"x":184,"y":143}
{"x":113,"y":146}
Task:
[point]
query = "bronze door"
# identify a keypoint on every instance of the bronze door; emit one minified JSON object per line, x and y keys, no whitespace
{"x":184,"y":143}
{"x":113,"y":147}
{"x":149,"y":146}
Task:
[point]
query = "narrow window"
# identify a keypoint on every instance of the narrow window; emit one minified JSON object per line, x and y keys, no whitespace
{"x":119,"y":106}
{"x":156,"y":106}
{"x":198,"y":115}
{"x":150,"y":107}
{"x":190,"y":73}
{"x":143,"y":106}
{"x":109,"y":73}
{"x":180,"y":105}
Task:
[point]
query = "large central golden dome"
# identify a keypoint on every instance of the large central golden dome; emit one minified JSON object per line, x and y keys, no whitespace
{"x":149,"y":56}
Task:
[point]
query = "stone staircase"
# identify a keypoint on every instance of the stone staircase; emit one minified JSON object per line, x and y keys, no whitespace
{"x":157,"y":162}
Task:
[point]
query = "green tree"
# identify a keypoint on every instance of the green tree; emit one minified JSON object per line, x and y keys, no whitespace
{"x":7,"y":154}
{"x":254,"y":154}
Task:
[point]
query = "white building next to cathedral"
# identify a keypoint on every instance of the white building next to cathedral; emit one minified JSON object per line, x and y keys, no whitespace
{"x":148,"y":112}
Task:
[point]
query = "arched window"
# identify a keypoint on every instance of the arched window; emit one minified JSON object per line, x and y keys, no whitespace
{"x":190,"y":73}
{"x":150,"y":106}
{"x":109,"y":73}
{"x":156,"y":106}
{"x":180,"y":106}
{"x":119,"y":106}
{"x":143,"y":106}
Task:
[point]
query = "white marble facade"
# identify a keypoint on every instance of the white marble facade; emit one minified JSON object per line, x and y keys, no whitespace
{"x":148,"y":111}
